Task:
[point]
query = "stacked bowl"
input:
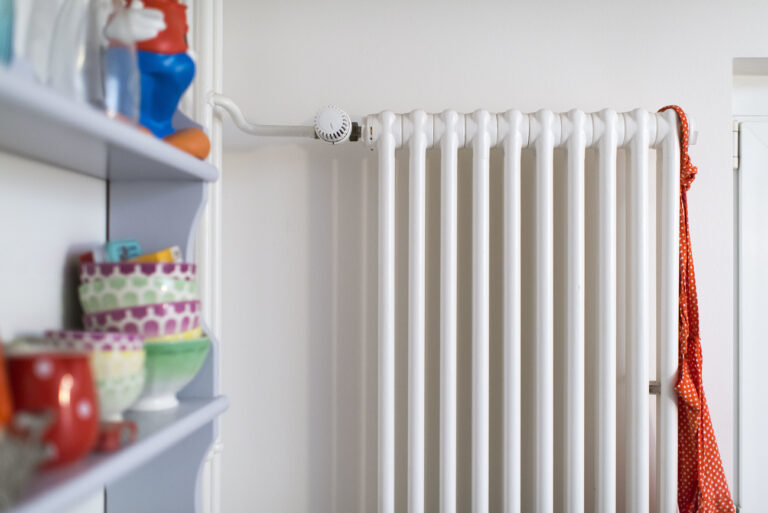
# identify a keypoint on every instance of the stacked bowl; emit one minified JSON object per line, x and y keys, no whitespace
{"x":159,"y":303}
{"x":117,"y":366}
{"x":151,"y":299}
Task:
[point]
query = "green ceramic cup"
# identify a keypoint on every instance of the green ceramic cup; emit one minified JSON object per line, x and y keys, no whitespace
{"x":124,"y":292}
{"x":170,"y":366}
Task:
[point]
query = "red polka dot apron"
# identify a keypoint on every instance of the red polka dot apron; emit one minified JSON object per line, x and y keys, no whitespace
{"x":700,"y":477}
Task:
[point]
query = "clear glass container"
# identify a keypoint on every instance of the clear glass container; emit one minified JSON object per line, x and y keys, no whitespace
{"x":92,"y":57}
{"x":122,"y":82}
{"x":39,"y":23}
{"x":74,"y":60}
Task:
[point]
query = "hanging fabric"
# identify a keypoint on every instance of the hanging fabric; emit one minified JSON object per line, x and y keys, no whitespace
{"x":701,"y":481}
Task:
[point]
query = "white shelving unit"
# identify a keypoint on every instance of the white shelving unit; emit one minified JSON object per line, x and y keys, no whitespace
{"x":156,"y":194}
{"x":159,"y":432}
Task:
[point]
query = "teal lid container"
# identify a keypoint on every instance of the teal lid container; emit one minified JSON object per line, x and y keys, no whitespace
{"x":6,"y":31}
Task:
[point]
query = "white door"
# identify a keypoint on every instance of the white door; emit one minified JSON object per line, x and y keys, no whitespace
{"x":753,"y":315}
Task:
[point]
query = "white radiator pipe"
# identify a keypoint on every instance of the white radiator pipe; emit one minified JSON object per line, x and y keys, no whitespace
{"x":418,"y":142}
{"x":668,"y":205}
{"x":543,"y":392}
{"x":391,"y":132}
{"x":227,"y":104}
{"x":514,"y":132}
{"x":605,"y":437}
{"x":573,"y":493}
{"x":638,"y":316}
{"x":450,"y":129}
{"x":480,"y":310}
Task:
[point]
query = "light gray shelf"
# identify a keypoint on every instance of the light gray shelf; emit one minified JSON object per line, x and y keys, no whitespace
{"x":156,"y":194}
{"x":54,"y":490}
{"x":39,"y":123}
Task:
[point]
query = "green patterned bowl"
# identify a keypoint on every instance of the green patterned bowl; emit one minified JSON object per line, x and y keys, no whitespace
{"x":124,"y":292}
{"x":170,"y":366}
{"x":116,"y":392}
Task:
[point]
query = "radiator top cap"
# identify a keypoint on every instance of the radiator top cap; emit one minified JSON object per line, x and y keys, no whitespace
{"x":332,"y":124}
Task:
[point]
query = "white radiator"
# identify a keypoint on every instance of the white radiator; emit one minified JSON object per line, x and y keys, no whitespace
{"x":629,"y":296}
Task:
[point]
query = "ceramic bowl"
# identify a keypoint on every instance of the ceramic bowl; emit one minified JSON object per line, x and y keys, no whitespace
{"x":124,"y":292}
{"x":117,"y":366}
{"x":98,"y":271}
{"x":184,"y":335}
{"x":170,"y":367}
{"x":148,"y":321}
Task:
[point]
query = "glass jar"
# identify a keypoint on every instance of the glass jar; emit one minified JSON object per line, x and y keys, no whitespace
{"x":37,"y":23}
{"x":93,"y":57}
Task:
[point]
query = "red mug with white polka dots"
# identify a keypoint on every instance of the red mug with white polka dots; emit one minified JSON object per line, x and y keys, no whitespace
{"x":60,"y":383}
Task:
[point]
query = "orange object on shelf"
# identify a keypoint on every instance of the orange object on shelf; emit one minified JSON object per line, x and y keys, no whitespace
{"x":170,"y":255}
{"x":167,"y":256}
{"x":6,"y":401}
{"x":190,"y":140}
{"x":116,"y":435}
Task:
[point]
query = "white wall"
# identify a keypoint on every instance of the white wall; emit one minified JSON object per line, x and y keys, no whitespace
{"x":47,"y":218}
{"x":299,"y":220}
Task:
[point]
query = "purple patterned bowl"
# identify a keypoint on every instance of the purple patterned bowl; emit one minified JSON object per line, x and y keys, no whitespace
{"x":94,"y":340}
{"x":148,"y":321}
{"x":99,"y":271}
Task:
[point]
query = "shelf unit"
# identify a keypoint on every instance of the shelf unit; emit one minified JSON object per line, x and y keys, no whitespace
{"x":159,"y":432}
{"x":156,"y":194}
{"x":40,"y":123}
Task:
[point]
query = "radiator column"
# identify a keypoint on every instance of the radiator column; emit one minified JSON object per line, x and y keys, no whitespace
{"x":516,"y":126}
{"x":543,"y":471}
{"x":452,"y":131}
{"x":390,"y":129}
{"x":668,"y":272}
{"x":638,"y":316}
{"x":481,"y":145}
{"x":417,"y":122}
{"x":573,"y":494}
{"x":605,"y":459}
